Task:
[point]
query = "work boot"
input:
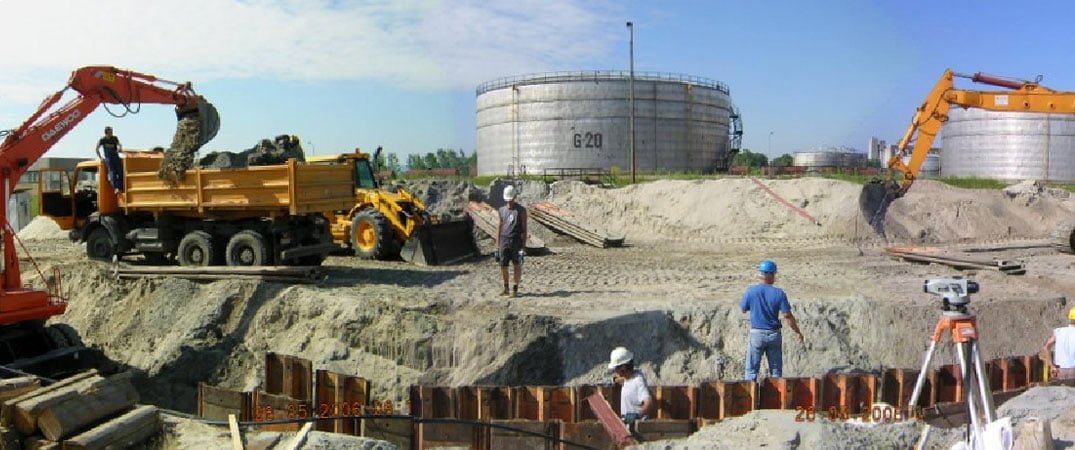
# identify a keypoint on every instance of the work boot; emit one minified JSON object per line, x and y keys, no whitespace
{"x":505,"y":292}
{"x":515,"y":291}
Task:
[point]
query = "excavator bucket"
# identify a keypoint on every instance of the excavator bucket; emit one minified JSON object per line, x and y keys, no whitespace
{"x":436,"y":244}
{"x":208,"y":122}
{"x":874,"y":200}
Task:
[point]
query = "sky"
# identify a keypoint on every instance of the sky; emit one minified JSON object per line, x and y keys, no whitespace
{"x":402,"y":74}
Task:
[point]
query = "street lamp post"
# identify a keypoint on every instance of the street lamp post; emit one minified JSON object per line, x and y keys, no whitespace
{"x":631,"y":106}
{"x":769,"y":152}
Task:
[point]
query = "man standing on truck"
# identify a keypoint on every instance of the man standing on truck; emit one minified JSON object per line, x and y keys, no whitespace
{"x":1062,"y":364}
{"x":510,"y":239}
{"x":110,"y":144}
{"x":765,"y":303}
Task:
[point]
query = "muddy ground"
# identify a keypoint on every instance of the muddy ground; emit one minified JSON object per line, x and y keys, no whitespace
{"x":671,"y":296}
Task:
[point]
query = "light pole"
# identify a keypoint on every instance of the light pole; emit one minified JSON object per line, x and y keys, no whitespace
{"x":631,"y":88}
{"x":769,"y":152}
{"x":313,"y":150}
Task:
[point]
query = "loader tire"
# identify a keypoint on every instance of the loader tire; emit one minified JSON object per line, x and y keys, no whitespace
{"x":196,"y":249}
{"x":247,"y":248}
{"x":372,"y":237}
{"x":1064,"y":237}
{"x":99,"y":245}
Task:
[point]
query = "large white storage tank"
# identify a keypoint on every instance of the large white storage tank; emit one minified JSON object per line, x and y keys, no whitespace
{"x":1008,"y":145}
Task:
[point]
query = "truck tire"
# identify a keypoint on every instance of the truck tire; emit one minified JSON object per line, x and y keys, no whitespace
{"x":1064,"y":237}
{"x":371,"y":235}
{"x":247,"y":248}
{"x":99,"y":245}
{"x":196,"y":249}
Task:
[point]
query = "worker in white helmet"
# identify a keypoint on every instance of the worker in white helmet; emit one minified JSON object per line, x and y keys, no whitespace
{"x":1062,"y":364}
{"x":635,"y":400}
{"x":510,"y":239}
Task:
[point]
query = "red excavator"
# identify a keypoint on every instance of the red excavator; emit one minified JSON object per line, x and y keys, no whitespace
{"x":25,"y":342}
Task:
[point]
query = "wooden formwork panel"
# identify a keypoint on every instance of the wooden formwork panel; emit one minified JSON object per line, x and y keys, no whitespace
{"x":437,"y":402}
{"x":467,"y":400}
{"x":340,"y":395}
{"x":268,"y":407}
{"x":543,"y":403}
{"x":737,"y":397}
{"x":589,"y":433}
{"x":802,"y":393}
{"x":216,"y":403}
{"x":1015,"y":373}
{"x":399,"y":431}
{"x":772,"y":393}
{"x":949,"y":384}
{"x":897,"y":386}
{"x":1036,"y":368}
{"x":499,"y":438}
{"x":848,"y":393}
{"x":495,"y":402}
{"x":994,"y":372}
{"x":432,"y":435}
{"x":708,"y":401}
{"x":289,"y":376}
{"x":675,"y":402}
{"x":652,"y":430}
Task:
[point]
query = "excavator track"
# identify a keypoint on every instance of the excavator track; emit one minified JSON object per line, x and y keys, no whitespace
{"x":53,"y":351}
{"x":1063,"y":236}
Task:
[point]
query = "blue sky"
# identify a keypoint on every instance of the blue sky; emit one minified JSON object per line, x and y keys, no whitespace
{"x":402,"y":74}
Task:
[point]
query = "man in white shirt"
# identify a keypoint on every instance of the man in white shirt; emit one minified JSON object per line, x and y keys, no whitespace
{"x":1062,"y":364}
{"x":635,"y":400}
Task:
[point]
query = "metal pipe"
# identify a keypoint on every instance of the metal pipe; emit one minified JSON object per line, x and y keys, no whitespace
{"x":921,"y":381}
{"x":631,"y":88}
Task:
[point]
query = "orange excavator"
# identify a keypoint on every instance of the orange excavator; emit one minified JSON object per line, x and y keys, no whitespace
{"x":1020,"y":96}
{"x":25,"y":343}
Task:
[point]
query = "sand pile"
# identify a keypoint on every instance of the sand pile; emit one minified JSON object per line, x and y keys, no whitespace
{"x":738,"y":208}
{"x":445,"y":197}
{"x":40,"y":229}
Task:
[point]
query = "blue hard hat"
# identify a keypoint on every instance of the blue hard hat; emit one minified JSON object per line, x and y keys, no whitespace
{"x":767,"y":266}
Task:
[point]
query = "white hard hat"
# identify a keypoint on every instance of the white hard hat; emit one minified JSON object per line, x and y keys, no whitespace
{"x":619,"y":357}
{"x":509,"y":193}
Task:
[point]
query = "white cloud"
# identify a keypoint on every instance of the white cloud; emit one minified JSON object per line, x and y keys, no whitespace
{"x":424,"y":44}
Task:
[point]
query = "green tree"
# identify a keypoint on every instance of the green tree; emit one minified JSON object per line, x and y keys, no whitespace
{"x":392,"y":163}
{"x":783,"y":160}
{"x":430,"y":160}
{"x":415,"y":162}
{"x":380,"y":163}
{"x":750,"y":159}
{"x":874,"y":163}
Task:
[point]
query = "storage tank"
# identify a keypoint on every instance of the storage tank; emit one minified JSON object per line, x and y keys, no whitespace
{"x":1008,"y":145}
{"x":829,"y":157}
{"x":931,"y":167}
{"x":581,"y":120}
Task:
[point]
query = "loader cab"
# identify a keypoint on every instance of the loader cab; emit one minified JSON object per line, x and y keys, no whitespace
{"x":69,"y":198}
{"x":364,"y":177}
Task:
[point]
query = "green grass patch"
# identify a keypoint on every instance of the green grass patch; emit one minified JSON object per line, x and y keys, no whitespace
{"x":973,"y":183}
{"x":857,"y":179}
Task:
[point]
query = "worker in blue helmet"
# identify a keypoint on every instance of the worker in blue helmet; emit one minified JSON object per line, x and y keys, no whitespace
{"x":766,"y":303}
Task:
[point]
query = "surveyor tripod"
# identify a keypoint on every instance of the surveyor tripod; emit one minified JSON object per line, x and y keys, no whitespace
{"x":976,"y":391}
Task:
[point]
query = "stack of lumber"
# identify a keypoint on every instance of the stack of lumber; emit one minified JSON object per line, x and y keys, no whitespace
{"x":86,"y":411}
{"x":485,"y":219}
{"x":955,"y":260}
{"x":552,"y":216}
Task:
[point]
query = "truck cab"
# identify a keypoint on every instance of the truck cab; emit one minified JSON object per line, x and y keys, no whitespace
{"x":70,"y":197}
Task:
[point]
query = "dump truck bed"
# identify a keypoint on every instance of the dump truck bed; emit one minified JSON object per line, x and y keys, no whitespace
{"x":259,"y":191}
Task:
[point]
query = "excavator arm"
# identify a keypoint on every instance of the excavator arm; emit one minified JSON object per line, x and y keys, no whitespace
{"x":1019,"y":96}
{"x":26,"y":144}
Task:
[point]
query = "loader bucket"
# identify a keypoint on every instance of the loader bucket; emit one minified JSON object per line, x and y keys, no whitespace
{"x":436,"y":244}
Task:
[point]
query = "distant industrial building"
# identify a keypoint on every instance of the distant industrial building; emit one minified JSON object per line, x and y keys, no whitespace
{"x":875,"y":150}
{"x":829,"y":157}
{"x":581,"y":120}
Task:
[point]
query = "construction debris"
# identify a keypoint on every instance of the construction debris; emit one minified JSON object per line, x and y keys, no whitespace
{"x":552,"y":216}
{"x":956,"y":261}
{"x":264,"y":153}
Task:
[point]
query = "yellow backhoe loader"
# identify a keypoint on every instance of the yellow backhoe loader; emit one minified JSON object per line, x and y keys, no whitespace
{"x":390,"y":223}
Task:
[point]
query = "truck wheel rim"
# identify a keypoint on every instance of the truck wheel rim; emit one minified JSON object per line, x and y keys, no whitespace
{"x":366,"y":235}
{"x":197,"y":255}
{"x":246,"y":256}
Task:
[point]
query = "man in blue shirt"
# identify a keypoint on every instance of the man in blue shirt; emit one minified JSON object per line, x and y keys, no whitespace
{"x":765,"y":302}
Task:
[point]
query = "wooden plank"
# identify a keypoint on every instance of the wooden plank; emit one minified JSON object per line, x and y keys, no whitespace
{"x":300,"y":438}
{"x":675,"y":402}
{"x":737,"y":397}
{"x":217,"y":403}
{"x":610,"y":420}
{"x":494,"y":402}
{"x":530,"y":402}
{"x":236,"y":436}
{"x":802,"y":393}
{"x":507,"y":439}
{"x":589,"y":433}
{"x":288,"y":376}
{"x":560,"y":405}
{"x":16,"y":387}
{"x":7,"y":414}
{"x":399,"y":431}
{"x":40,"y":443}
{"x":432,"y":435}
{"x":467,"y":398}
{"x":709,"y":401}
{"x":277,"y":407}
{"x":78,"y":410}
{"x":583,"y":410}
{"x":652,"y":430}
{"x":125,"y":431}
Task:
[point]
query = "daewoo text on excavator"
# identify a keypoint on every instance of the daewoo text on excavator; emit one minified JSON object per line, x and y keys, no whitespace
{"x":1020,"y":96}
{"x":25,"y":343}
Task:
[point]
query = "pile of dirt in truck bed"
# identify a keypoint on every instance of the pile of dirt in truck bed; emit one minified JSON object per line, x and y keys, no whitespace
{"x":931,"y":212}
{"x":265,"y":153}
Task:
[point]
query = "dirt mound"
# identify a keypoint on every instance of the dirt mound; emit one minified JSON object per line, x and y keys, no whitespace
{"x":40,"y":229}
{"x":265,"y":153}
{"x":445,"y":197}
{"x":738,"y":208}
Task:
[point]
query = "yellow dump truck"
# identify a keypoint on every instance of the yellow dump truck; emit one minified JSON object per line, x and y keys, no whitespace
{"x":262,"y":215}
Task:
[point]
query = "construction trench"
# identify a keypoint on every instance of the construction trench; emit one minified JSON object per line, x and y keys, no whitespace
{"x":442,"y":343}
